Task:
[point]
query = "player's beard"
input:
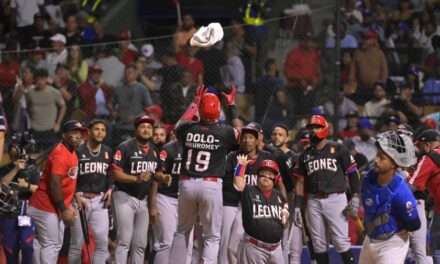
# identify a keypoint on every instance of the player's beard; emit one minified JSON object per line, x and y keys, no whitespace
{"x":315,"y":139}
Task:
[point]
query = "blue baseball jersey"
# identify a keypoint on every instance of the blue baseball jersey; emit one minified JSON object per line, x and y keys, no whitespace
{"x":394,"y":204}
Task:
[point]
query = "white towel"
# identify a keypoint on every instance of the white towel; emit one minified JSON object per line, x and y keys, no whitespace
{"x":207,"y":36}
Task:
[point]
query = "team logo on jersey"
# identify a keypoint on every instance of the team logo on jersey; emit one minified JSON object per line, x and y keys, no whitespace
{"x":117,"y":156}
{"x":257,"y":198}
{"x":106,"y":155}
{"x":369,"y":201}
{"x":332,"y":150}
{"x":409,"y":208}
{"x":163,"y":155}
{"x":73,"y":172}
{"x":83,"y":156}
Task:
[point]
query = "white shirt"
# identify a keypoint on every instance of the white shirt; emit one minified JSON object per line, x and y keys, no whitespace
{"x":26,"y":9}
{"x":53,"y":59}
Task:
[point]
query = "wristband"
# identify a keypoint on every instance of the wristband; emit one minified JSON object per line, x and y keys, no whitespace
{"x":239,"y":170}
{"x":60,"y":205}
{"x":233,"y":111}
{"x":299,"y":201}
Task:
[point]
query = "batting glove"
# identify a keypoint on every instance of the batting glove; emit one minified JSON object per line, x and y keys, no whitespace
{"x":200,"y":91}
{"x":297,"y":218}
{"x":354,"y":206}
{"x":230,"y":98}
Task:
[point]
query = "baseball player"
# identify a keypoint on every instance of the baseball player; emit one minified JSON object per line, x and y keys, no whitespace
{"x":133,"y":197}
{"x":426,"y":177}
{"x":205,"y":145}
{"x":50,"y":205}
{"x":265,"y":212}
{"x":232,"y":224}
{"x":93,"y":192}
{"x":390,"y":207}
{"x":159,"y":135}
{"x":292,"y":239}
{"x":167,"y":174}
{"x":320,"y":173}
{"x":417,"y":239}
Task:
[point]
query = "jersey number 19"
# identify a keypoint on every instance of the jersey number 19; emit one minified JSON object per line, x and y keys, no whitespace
{"x":201,"y":162}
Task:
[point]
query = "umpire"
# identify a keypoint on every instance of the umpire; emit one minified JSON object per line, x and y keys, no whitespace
{"x":321,"y":171}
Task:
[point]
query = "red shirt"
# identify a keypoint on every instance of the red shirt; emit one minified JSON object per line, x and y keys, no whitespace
{"x":62,"y":162}
{"x":196,"y":66}
{"x":7,"y":74}
{"x":302,"y":64}
{"x":427,"y":176}
{"x":128,"y":56}
{"x":87,"y":93}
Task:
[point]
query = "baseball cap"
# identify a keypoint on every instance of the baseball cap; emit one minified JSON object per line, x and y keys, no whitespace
{"x":369,"y":34}
{"x":351,"y":113}
{"x":154,"y":109}
{"x":365,"y":123}
{"x":95,"y":68}
{"x":125,"y":35}
{"x":257,"y":126}
{"x":429,"y":135}
{"x":72,"y":125}
{"x":305,"y":137}
{"x":143,"y":118}
{"x":249,"y":128}
{"x":59,"y":37}
{"x":147,"y":50}
{"x":394,"y":119}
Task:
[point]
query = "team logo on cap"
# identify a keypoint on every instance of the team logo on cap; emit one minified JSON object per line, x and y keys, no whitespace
{"x":117,"y":156}
{"x":409,"y":208}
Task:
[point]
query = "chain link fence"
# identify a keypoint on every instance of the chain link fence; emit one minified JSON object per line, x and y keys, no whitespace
{"x":284,"y":72}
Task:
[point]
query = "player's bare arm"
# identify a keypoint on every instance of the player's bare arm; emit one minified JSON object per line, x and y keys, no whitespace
{"x":123,"y":177}
{"x":242,"y":161}
{"x":56,"y":196}
{"x":152,"y":208}
{"x":162,"y":177}
{"x":19,"y":165}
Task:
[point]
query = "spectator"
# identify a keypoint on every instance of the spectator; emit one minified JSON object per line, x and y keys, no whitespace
{"x":112,"y":67}
{"x":361,"y":160}
{"x":95,"y":94}
{"x":147,"y":51}
{"x":35,"y":59}
{"x":187,"y":59}
{"x":67,"y":87}
{"x":301,"y":69}
{"x":60,"y":52}
{"x":128,"y":52}
{"x":369,"y":65}
{"x":269,"y":98}
{"x":413,"y":79}
{"x":407,"y":106}
{"x":127,"y":101}
{"x":347,"y":58}
{"x":23,"y":12}
{"x":155,"y":111}
{"x":23,"y":85}
{"x":71,"y":32}
{"x":148,"y":77}
{"x":182,"y":93}
{"x":184,"y":33}
{"x":392,"y":123}
{"x":351,"y":130}
{"x":46,"y":108}
{"x":378,"y":104}
{"x":347,"y":40}
{"x":170,"y":75}
{"x":40,"y":37}
{"x":100,"y":35}
{"x":429,"y":31}
{"x":433,"y":58}
{"x":78,"y":66}
{"x":365,"y":143}
{"x":233,"y":72}
{"x":9,"y":69}
{"x":404,"y":13}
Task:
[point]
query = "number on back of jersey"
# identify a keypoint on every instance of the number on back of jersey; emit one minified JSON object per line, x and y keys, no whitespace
{"x":199,"y":159}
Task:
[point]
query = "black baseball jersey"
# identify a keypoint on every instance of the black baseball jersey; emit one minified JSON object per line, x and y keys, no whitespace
{"x":2,"y":116}
{"x":324,"y":170}
{"x":132,"y":159}
{"x":205,"y":146}
{"x":285,"y":162}
{"x":262,"y":214}
{"x":170,"y":162}
{"x":231,"y":196}
{"x":93,"y":168}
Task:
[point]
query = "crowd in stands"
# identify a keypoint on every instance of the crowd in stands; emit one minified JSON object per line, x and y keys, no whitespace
{"x":57,"y":63}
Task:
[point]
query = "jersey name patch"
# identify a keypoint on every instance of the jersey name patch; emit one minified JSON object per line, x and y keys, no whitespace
{"x":321,"y":164}
{"x":142,"y":166}
{"x":93,"y":167}
{"x":266,"y":211}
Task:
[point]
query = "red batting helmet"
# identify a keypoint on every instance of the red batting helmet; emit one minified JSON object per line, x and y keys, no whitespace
{"x":319,"y":120}
{"x":209,"y":109}
{"x":269,"y":164}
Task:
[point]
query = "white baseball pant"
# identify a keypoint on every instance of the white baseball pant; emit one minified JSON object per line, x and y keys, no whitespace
{"x":417,"y":238}
{"x":293,"y":236}
{"x":392,"y":250}
{"x":236,"y":235}
{"x":50,"y":229}
{"x":131,"y":220}
{"x":97,"y":218}
{"x":249,"y":253}
{"x":229,"y":213}
{"x":328,"y":209}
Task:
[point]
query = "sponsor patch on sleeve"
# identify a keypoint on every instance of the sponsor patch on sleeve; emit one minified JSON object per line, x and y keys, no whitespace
{"x":163,"y":155}
{"x":118,"y":155}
